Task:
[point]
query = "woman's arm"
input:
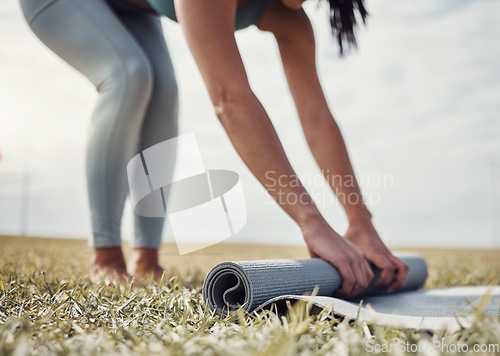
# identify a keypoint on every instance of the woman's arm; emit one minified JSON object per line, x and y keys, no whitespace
{"x":209,"y":30}
{"x":295,"y":38}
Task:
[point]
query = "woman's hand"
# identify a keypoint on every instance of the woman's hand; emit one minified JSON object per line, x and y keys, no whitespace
{"x":365,"y":237}
{"x":322,"y":241}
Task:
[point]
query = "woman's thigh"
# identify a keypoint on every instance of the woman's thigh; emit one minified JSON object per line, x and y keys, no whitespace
{"x":148,"y":32}
{"x":88,"y":35}
{"x":160,"y":122}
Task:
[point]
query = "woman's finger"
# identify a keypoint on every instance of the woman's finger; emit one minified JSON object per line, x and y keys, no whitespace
{"x":401,"y":274}
{"x":387,"y":272}
{"x":368,"y":271}
{"x":348,"y":280}
{"x":360,"y":275}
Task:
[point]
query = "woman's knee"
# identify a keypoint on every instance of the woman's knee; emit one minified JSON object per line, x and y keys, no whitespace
{"x":132,"y":76}
{"x":165,"y":88}
{"x":138,"y":75}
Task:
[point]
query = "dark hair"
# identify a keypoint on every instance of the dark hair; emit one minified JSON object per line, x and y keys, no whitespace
{"x":343,"y":20}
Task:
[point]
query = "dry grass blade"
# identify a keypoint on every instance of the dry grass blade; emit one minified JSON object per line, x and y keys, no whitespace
{"x":48,"y":306}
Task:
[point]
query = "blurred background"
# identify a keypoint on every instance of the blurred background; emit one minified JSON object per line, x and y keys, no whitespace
{"x":418,"y":104}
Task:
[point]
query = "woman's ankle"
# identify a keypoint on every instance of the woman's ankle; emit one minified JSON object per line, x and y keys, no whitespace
{"x":108,"y":257}
{"x":144,"y":261}
{"x":108,"y":262}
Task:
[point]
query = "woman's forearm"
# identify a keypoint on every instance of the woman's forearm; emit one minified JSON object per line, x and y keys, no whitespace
{"x":297,"y":49}
{"x":327,"y":145}
{"x":254,"y":138}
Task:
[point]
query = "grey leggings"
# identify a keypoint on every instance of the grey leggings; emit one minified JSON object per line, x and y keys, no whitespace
{"x":122,"y":51}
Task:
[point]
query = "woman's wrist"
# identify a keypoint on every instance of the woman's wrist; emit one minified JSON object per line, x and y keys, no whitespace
{"x":309,"y":216}
{"x":359,"y":216}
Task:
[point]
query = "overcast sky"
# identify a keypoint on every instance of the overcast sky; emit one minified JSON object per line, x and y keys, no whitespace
{"x":418,"y":103}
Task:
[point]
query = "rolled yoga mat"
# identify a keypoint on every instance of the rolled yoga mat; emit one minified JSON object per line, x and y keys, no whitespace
{"x":256,"y":285}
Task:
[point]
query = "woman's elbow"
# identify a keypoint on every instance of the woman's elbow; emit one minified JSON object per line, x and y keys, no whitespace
{"x":230,"y":100}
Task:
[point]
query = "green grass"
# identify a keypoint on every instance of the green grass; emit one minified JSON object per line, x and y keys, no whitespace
{"x":49,"y":306}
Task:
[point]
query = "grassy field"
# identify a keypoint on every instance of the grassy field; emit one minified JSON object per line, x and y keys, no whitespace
{"x":49,"y":306}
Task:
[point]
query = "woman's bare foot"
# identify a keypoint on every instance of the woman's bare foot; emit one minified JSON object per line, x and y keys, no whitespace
{"x":143,"y":262}
{"x":108,"y":262}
